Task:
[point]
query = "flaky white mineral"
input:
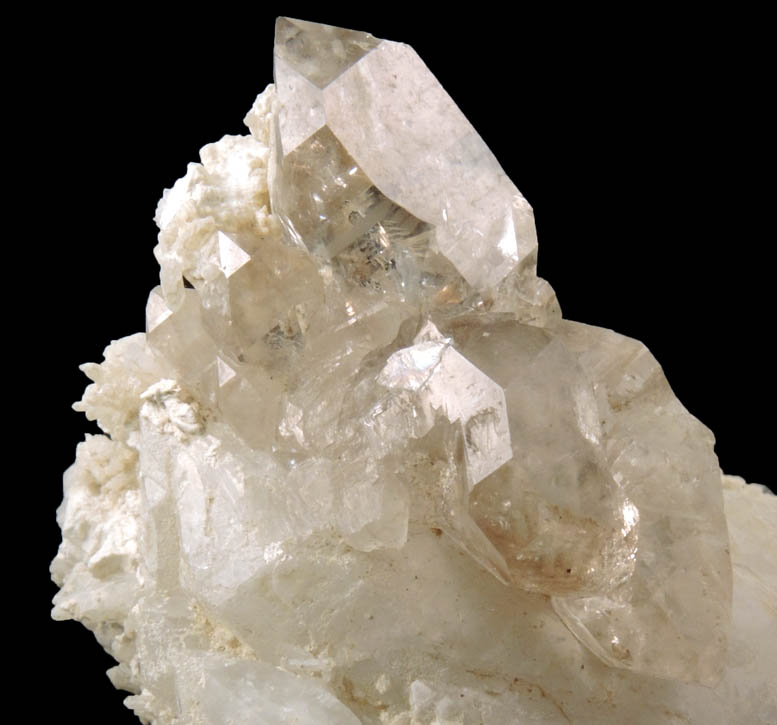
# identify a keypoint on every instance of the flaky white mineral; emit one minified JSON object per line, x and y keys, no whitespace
{"x":360,"y":470}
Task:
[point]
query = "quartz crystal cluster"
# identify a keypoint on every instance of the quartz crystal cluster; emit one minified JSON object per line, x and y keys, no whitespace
{"x":358,"y":469}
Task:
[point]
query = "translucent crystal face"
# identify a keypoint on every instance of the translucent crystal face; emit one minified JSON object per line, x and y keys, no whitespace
{"x":355,"y":148}
{"x":319,"y":53}
{"x":335,"y":211}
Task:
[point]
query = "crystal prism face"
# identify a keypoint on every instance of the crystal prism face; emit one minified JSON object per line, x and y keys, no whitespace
{"x":336,"y":211}
{"x":683,"y":551}
{"x":360,"y":470}
{"x":554,"y":511}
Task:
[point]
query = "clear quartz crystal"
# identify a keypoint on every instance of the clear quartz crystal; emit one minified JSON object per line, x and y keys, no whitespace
{"x":360,"y":470}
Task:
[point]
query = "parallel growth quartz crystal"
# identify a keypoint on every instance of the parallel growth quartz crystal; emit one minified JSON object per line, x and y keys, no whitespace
{"x":361,"y":470}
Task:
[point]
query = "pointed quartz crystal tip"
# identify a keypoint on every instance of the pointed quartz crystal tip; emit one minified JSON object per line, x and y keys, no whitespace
{"x":303,"y":45}
{"x":374,"y":162}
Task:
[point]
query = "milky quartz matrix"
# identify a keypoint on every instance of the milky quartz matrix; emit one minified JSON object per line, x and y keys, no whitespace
{"x":358,"y":469}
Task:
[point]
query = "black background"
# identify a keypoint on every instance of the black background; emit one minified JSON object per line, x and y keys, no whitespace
{"x":640,"y":141}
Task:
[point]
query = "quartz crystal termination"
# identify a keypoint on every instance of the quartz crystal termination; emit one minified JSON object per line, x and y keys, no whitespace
{"x":369,"y":150}
{"x":360,"y":470}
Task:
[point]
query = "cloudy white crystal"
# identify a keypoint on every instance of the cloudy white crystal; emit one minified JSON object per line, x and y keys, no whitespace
{"x":359,"y":470}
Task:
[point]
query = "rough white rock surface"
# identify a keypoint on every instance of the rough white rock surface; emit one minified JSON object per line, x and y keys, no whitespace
{"x":362,"y":472}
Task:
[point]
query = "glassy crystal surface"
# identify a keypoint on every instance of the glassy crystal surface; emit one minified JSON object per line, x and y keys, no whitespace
{"x":358,"y":469}
{"x":369,"y":148}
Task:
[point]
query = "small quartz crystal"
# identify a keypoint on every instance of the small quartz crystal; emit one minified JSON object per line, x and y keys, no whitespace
{"x":358,"y":469}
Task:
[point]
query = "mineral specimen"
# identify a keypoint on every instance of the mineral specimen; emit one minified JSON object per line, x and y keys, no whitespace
{"x":359,"y":469}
